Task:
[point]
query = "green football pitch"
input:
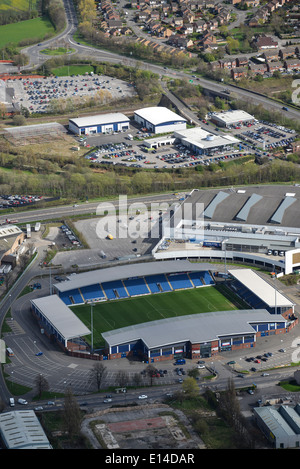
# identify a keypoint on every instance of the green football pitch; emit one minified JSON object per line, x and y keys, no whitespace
{"x":109,"y":315}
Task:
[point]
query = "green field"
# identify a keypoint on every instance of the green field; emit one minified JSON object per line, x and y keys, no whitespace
{"x":72,"y":70}
{"x":18,"y":5}
{"x":122,"y":313}
{"x":14,"y":33}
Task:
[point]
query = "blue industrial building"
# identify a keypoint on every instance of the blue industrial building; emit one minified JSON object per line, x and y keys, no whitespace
{"x":103,"y":123}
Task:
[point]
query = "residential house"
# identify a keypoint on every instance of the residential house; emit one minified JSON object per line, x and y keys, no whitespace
{"x":207,"y":40}
{"x":200,"y":26}
{"x":275,"y":66}
{"x":227,"y":63}
{"x":187,"y":29}
{"x":257,"y":69}
{"x":252,"y":3}
{"x":178,"y":22}
{"x":239,"y":72}
{"x":270,"y":55}
{"x":241,"y":62}
{"x":287,"y":52}
{"x":265,"y":42}
{"x":292,"y":64}
{"x":180,"y":42}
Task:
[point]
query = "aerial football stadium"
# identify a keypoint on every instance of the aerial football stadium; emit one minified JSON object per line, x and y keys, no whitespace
{"x":160,"y":310}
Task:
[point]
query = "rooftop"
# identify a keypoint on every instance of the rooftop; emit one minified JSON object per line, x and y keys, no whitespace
{"x":261,"y":210}
{"x":203,"y":139}
{"x":231,"y":117}
{"x":262,"y":289}
{"x":61,"y":317}
{"x":158,"y":115}
{"x":195,"y":328}
{"x":100,"y":119}
{"x":128,"y":271}
{"x":22,"y":430}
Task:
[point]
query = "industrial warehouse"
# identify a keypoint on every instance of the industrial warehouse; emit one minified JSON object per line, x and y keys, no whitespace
{"x":159,"y":120}
{"x":103,"y":123}
{"x":232,"y":118}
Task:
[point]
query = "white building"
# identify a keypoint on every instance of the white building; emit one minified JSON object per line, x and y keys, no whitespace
{"x":228,"y":118}
{"x":200,"y":141}
{"x":159,"y":120}
{"x":103,"y":123}
{"x":21,"y":429}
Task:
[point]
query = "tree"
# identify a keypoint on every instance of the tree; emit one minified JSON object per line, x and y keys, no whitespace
{"x":98,"y":373}
{"x":41,"y":385}
{"x":71,"y":414}
{"x":190,"y":387}
{"x":150,"y":371}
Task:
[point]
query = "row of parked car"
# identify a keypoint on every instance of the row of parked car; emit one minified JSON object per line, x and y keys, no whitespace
{"x":70,"y":235}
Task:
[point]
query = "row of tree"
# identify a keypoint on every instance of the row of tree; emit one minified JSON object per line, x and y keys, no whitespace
{"x":47,"y":178}
{"x":55,"y":11}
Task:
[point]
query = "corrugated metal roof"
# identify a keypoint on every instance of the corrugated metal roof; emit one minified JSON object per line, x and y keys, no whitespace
{"x":128,"y":271}
{"x":158,"y":115}
{"x":203,"y":327}
{"x":22,"y":430}
{"x":262,"y":289}
{"x":274,"y":421}
{"x":100,"y":119}
{"x":60,"y":317}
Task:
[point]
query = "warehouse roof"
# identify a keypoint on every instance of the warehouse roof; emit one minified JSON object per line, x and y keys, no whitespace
{"x":129,"y":271}
{"x":60,"y":317}
{"x":158,"y":115}
{"x":232,"y":117}
{"x":262,"y":289}
{"x":195,"y":328}
{"x":275,"y":420}
{"x":261,"y":213}
{"x":100,"y":119}
{"x":22,"y":430}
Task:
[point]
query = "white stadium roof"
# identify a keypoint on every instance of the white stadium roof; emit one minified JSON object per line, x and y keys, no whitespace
{"x":158,"y":115}
{"x":60,"y":317}
{"x":262,"y":289}
{"x":100,"y":119}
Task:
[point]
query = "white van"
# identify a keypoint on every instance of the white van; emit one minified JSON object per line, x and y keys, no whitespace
{"x":11,"y":402}
{"x":22,"y":401}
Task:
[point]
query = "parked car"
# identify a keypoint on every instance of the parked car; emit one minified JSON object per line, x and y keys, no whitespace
{"x":143,"y":396}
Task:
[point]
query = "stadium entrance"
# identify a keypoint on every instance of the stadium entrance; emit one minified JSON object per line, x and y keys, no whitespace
{"x":205,"y":351}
